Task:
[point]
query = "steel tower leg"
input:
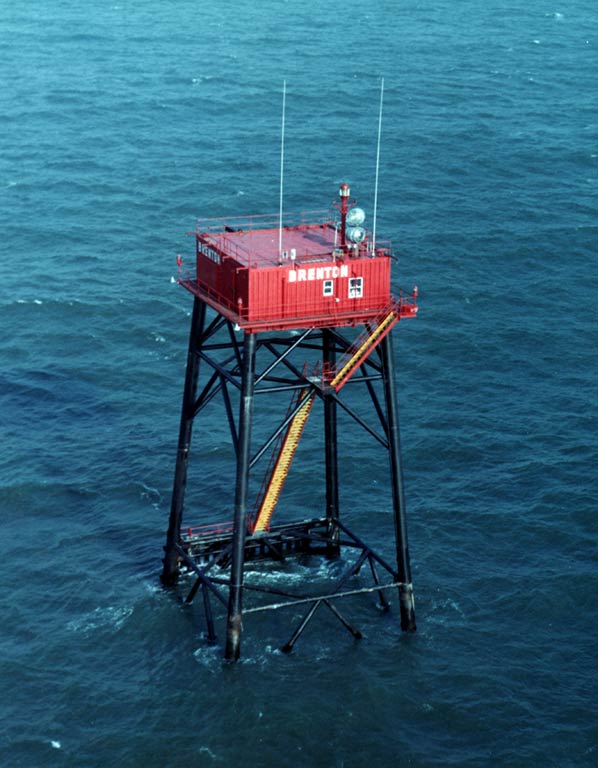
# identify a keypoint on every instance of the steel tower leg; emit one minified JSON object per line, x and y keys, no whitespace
{"x":170,"y":572}
{"x":330,"y":438}
{"x":398,"y":491}
{"x":235,"y":599}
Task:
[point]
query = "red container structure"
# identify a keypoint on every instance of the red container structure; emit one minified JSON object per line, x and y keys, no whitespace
{"x":264,"y":273}
{"x":308,"y":275}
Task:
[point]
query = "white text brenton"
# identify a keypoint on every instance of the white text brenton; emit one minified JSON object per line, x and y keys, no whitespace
{"x":318,"y":273}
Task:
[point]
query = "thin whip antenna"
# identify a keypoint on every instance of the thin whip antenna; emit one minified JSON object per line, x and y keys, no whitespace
{"x":377,"y":165}
{"x":284,"y":100}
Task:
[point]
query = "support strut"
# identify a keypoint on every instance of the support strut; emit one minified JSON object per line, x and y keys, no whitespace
{"x":235,"y":369}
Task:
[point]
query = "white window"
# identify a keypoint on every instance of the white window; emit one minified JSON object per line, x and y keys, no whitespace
{"x":355,"y":287}
{"x":328,"y":287}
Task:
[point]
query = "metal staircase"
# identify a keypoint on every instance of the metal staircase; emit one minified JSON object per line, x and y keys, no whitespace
{"x":283,"y":461}
{"x":362,"y":349}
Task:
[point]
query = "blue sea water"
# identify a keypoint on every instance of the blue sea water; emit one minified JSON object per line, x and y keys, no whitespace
{"x":120,"y":122}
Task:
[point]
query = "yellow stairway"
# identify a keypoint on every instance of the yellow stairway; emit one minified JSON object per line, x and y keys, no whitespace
{"x":362,"y":352}
{"x":283,"y":461}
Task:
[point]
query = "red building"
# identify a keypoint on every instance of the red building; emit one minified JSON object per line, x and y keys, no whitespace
{"x":308,"y":272}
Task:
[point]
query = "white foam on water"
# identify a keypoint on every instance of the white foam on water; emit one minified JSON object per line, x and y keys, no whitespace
{"x":443,"y":612}
{"x":101,"y":618}
{"x":152,"y":587}
{"x":152,"y":495}
{"x":208,"y":656}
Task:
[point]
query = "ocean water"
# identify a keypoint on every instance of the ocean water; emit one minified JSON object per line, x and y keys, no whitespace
{"x":120,"y":122}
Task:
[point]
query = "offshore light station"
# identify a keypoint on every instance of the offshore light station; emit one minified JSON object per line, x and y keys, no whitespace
{"x":291,"y":309}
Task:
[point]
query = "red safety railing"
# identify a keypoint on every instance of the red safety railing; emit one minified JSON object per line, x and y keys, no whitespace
{"x":408,"y":303}
{"x":263,"y":221}
{"x":216,"y":234}
{"x":209,"y":529}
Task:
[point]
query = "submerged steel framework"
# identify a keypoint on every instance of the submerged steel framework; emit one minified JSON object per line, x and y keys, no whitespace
{"x":239,"y":367}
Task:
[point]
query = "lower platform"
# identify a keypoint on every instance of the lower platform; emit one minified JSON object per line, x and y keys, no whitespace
{"x":206,"y":552}
{"x":212,"y":543}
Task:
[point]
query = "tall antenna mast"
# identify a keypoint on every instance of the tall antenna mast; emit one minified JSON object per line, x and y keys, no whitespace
{"x":284,"y":99}
{"x":377,"y":165}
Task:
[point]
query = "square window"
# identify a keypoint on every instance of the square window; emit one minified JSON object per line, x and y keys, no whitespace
{"x":328,"y":287}
{"x":355,"y":287}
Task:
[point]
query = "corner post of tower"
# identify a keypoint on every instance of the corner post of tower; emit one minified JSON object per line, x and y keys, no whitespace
{"x":170,"y":572}
{"x":331,"y":452}
{"x":398,"y":492}
{"x":235,"y":600}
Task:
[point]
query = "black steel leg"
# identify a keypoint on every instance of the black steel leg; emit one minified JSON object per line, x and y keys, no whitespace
{"x":330,"y":438}
{"x":170,"y":572}
{"x":398,"y":492}
{"x":234,"y":623}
